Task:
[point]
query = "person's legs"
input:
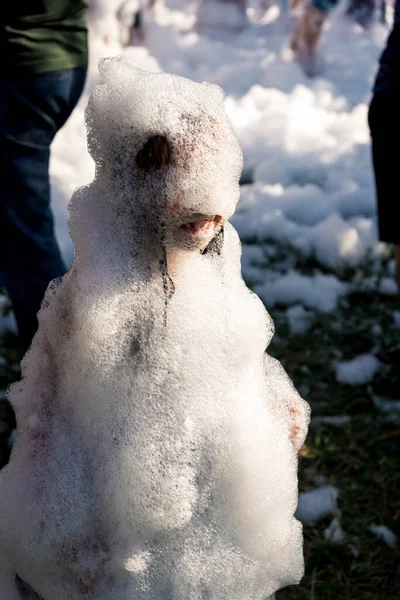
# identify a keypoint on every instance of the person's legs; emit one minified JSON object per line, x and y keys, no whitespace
{"x":32,"y":110}
{"x":307,"y":32}
{"x":384,"y":123}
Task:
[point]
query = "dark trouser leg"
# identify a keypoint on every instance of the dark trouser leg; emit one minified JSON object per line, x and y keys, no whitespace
{"x":384,"y":123}
{"x":31,"y":254}
{"x":32,"y":110}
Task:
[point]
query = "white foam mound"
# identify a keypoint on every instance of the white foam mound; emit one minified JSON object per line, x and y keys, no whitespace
{"x":157,"y":444}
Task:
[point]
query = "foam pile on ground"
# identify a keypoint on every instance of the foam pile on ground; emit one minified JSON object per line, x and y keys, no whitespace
{"x":7,"y":319}
{"x":157,"y":446}
{"x":388,"y":408}
{"x":300,"y":320}
{"x":315,"y":505}
{"x":384,"y":534}
{"x":312,"y":174}
{"x":334,"y":532}
{"x":358,"y":371}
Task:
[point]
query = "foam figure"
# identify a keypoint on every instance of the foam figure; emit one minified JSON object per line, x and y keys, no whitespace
{"x":157,"y":443}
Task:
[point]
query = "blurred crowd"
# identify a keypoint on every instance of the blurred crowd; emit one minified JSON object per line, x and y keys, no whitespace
{"x":123,"y":19}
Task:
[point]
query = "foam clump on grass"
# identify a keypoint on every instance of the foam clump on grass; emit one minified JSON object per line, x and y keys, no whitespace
{"x":157,"y":443}
{"x":385,"y":534}
{"x":334,"y":532}
{"x":8,"y":323}
{"x":317,"y":504}
{"x":300,"y":320}
{"x":358,"y":371}
{"x":318,"y":292}
{"x":388,"y":408}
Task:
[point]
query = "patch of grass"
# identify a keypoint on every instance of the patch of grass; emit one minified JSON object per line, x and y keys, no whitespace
{"x":360,"y":457}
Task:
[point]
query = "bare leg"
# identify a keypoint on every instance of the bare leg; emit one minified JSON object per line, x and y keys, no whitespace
{"x":306,"y":35}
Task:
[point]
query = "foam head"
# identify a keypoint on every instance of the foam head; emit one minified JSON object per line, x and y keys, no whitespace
{"x":168,"y":143}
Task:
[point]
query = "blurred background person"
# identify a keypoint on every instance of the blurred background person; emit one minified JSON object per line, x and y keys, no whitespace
{"x":120,"y":21}
{"x":308,"y":27}
{"x":307,"y":30}
{"x":384,"y":123}
{"x":44,"y":48}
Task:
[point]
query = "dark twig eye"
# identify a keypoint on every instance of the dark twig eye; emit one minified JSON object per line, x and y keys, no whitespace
{"x":155,"y":154}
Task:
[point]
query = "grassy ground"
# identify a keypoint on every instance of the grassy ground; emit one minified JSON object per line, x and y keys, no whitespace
{"x":359,"y":457}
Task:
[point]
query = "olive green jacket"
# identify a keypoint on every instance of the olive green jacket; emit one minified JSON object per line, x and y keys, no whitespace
{"x":38,"y":36}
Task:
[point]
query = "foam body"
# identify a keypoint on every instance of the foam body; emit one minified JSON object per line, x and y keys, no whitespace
{"x":156,"y":456}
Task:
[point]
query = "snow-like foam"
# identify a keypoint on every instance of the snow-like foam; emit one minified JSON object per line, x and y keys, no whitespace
{"x":221,"y":14}
{"x":157,"y":446}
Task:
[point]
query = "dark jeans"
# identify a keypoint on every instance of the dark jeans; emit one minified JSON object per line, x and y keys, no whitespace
{"x":32,"y":109}
{"x":384,"y":123}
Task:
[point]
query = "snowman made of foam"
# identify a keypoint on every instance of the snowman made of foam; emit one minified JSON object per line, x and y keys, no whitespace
{"x":157,"y":443}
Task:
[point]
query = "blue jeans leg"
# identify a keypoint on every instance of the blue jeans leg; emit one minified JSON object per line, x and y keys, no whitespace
{"x":32,"y":110}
